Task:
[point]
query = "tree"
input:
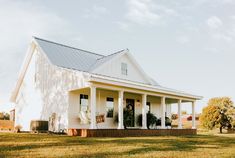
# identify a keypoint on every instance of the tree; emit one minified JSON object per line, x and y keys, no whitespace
{"x":219,"y":112}
{"x":4,"y":116}
{"x":184,"y":112}
{"x":174,"y":116}
{"x":1,"y":116}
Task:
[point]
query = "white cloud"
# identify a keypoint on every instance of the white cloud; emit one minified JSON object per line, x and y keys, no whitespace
{"x":183,"y":39}
{"x":142,"y":12}
{"x":123,"y":25}
{"x":214,"y":22}
{"x":95,"y":12}
{"x":147,"y":13}
{"x":222,"y":36}
{"x":212,"y":50}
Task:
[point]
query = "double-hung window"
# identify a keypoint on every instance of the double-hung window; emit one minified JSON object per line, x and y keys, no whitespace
{"x":124,"y":69}
{"x":83,"y":102}
{"x":109,"y":107}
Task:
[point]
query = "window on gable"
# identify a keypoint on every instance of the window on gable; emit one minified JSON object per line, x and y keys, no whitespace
{"x":83,"y":102}
{"x":109,"y":107}
{"x":124,"y":68}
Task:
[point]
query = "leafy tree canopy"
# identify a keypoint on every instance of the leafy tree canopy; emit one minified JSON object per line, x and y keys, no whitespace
{"x":4,"y":116}
{"x":219,"y":112}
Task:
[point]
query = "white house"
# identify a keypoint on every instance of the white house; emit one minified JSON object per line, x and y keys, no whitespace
{"x":74,"y":86}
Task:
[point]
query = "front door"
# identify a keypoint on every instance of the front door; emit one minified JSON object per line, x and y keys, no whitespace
{"x":130,"y":107}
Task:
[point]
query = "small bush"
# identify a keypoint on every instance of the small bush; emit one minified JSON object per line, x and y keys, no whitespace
{"x":151,"y":120}
{"x":127,"y":117}
{"x":189,"y":118}
{"x":174,"y":116}
{"x":167,"y":122}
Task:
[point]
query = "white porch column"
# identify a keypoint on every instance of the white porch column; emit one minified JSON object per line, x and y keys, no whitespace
{"x":120,"y":110}
{"x":193,"y":116}
{"x":144,"y":117}
{"x":163,"y":112}
{"x":93,"y":107}
{"x":179,"y":115}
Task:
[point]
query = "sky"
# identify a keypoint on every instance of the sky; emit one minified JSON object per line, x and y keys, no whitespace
{"x":185,"y":44}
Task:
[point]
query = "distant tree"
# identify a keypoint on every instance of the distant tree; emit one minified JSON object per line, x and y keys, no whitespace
{"x":183,"y":112}
{"x":1,"y":116}
{"x":174,"y":116}
{"x":4,"y":116}
{"x":219,"y":112}
{"x":7,"y":116}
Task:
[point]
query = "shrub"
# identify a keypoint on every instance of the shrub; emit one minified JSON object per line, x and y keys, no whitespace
{"x":189,"y":118}
{"x":167,"y":122}
{"x":127,"y":117}
{"x":151,"y":120}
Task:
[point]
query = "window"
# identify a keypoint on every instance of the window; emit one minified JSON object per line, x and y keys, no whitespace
{"x":83,"y":102}
{"x":109,"y":107}
{"x":148,"y":107}
{"x":124,"y":68}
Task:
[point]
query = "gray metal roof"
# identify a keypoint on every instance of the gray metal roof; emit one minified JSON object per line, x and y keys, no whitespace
{"x":70,"y":57}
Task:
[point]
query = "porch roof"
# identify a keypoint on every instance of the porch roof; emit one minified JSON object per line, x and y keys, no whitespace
{"x":141,"y":86}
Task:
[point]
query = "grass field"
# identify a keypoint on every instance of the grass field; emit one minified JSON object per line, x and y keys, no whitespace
{"x":44,"y":145}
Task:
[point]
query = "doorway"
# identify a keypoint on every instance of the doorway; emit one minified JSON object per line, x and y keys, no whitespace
{"x":130,"y":106}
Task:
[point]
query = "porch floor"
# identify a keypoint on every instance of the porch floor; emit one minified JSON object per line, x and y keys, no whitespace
{"x":130,"y":132}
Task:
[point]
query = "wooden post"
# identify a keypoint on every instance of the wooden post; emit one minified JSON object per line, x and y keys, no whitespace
{"x":144,"y":117}
{"x":163,"y":108}
{"x":93,"y":107}
{"x":120,"y":110}
{"x":179,"y":115}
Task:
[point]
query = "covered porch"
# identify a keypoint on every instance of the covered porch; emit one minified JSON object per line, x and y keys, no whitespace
{"x":104,"y":106}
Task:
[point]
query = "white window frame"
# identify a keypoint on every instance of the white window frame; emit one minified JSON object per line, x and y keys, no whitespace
{"x":124,"y":69}
{"x":84,"y":102}
{"x":109,"y":101}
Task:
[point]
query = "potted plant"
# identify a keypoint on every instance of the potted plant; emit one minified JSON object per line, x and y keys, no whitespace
{"x":167,"y":122}
{"x":127,"y":117}
{"x":151,"y":120}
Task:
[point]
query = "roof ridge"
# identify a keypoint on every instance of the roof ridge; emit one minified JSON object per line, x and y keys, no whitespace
{"x":111,"y":54}
{"x":68,"y":46}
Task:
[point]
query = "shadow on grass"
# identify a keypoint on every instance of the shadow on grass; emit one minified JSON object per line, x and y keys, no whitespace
{"x":21,"y":143}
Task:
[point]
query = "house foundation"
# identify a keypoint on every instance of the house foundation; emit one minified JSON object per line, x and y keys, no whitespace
{"x":130,"y":132}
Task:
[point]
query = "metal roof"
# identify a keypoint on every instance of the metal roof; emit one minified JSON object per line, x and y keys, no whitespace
{"x":70,"y":57}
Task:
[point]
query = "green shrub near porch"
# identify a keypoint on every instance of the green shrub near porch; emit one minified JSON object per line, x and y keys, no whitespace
{"x":151,"y":120}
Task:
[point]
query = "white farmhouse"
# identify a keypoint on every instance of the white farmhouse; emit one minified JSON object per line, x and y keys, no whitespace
{"x":79,"y":89}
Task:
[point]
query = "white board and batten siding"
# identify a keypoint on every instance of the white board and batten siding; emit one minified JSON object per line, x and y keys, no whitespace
{"x":47,"y":89}
{"x":44,"y":91}
{"x":101,"y":102}
{"x":113,"y":69}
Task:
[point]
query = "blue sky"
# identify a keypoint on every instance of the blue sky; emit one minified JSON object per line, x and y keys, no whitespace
{"x":184,"y":44}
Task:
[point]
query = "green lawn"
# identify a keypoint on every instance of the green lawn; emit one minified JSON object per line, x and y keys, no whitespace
{"x":44,"y":145}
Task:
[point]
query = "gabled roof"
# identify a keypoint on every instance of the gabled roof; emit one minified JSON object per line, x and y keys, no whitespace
{"x":77,"y":59}
{"x":72,"y":58}
{"x":105,"y":59}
